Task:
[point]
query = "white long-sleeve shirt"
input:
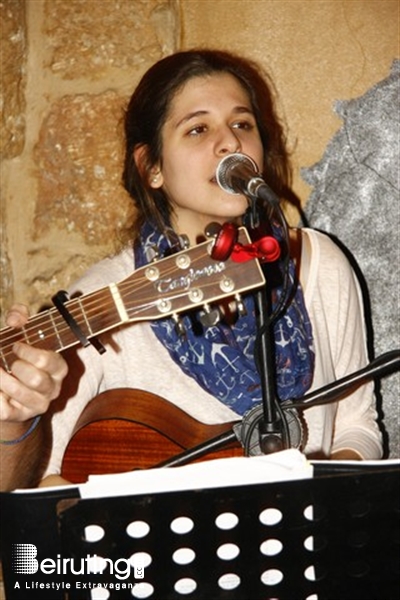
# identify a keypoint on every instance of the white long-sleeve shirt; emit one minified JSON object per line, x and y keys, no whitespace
{"x":135,"y":358}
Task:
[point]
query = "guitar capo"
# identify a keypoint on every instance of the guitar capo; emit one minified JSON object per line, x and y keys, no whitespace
{"x":266,"y":249}
{"x":59,"y":300}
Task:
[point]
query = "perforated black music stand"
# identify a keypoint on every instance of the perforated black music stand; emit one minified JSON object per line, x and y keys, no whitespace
{"x":247,"y":542}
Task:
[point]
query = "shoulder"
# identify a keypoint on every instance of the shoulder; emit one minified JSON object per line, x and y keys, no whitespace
{"x":324,"y":245}
{"x":325,"y":252}
{"x":329,"y":265}
{"x":109,"y":270}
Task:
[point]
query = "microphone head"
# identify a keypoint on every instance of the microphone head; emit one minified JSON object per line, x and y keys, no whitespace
{"x":233,"y":169}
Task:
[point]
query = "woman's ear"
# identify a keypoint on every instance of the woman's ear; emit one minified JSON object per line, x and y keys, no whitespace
{"x":151,"y":175}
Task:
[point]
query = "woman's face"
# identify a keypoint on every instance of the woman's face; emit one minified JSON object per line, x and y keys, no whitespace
{"x":209,"y":118}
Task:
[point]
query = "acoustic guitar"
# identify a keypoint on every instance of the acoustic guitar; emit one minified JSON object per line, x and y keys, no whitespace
{"x":126,"y":429}
{"x":182,"y":282}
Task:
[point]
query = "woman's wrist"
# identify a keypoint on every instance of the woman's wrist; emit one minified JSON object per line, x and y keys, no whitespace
{"x":12,"y":433}
{"x":346,"y":454}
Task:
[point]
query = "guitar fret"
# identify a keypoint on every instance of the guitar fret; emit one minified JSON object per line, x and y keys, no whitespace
{"x":44,"y":333}
{"x":83,"y":312}
{"x":25,"y":334}
{"x":5,"y":363}
{"x":56,"y":330}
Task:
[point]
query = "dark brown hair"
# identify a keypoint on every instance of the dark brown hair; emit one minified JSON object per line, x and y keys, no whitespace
{"x":148,"y":109}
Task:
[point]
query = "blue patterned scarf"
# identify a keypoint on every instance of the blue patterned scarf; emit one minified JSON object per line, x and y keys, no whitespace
{"x":221,"y":357}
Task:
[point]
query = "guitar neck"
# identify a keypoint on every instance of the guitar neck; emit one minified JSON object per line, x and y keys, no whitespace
{"x":94,"y":313}
{"x":181,"y":282}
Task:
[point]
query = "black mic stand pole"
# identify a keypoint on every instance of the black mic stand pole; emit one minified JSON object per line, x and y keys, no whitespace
{"x":272,"y":437}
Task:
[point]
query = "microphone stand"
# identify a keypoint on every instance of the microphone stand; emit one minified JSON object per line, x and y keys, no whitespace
{"x":271,"y":428}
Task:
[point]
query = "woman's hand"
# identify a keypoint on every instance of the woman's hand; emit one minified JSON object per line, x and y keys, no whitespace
{"x":346,"y":454}
{"x":35,"y":379}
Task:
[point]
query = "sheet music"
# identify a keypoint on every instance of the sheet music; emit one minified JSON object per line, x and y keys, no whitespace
{"x":280,"y":466}
{"x":224,"y":472}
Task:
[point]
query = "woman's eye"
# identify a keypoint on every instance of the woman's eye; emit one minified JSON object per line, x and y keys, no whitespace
{"x":197,"y":130}
{"x":243,"y":125}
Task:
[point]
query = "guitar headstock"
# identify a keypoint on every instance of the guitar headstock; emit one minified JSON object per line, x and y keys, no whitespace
{"x":186,"y":280}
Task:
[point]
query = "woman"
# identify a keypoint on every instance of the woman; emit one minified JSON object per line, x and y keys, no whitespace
{"x":190,"y":111}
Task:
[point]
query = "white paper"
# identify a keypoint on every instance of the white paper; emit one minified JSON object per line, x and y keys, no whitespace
{"x":224,"y":472}
{"x":281,"y":466}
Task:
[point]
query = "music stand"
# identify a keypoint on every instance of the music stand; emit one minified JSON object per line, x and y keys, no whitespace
{"x":260,"y":541}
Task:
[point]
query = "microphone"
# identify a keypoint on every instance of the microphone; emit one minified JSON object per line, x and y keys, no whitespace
{"x":238,"y":174}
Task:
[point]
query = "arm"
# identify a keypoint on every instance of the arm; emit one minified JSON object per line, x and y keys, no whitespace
{"x":25,"y":394}
{"x":347,"y":429}
{"x":357,"y":434}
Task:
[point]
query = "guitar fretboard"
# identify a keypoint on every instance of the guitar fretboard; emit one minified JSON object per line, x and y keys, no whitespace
{"x":94,"y":313}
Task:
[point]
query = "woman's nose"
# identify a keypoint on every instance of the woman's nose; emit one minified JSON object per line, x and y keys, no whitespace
{"x":227,"y":142}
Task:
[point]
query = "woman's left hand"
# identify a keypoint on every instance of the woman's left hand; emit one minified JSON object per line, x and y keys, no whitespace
{"x":35,"y":379}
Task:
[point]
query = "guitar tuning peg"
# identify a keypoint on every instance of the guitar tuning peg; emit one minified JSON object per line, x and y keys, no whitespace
{"x":209,"y":316}
{"x":240,"y":306}
{"x":185,"y":242}
{"x":152,"y":253}
{"x":179,"y":326}
{"x":212,"y":230}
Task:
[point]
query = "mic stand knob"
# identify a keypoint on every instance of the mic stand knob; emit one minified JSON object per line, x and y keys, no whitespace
{"x":249,"y":433}
{"x":271,"y":441}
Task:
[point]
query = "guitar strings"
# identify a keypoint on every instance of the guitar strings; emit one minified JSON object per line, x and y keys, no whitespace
{"x":92,"y":305}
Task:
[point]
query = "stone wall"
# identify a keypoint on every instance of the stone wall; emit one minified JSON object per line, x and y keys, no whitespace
{"x":68,"y":68}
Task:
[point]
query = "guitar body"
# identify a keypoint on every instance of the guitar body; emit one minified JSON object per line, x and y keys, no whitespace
{"x":125,"y":429}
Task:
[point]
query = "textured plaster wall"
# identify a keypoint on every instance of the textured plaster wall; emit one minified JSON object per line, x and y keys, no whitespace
{"x":68,"y":67}
{"x":317,"y":51}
